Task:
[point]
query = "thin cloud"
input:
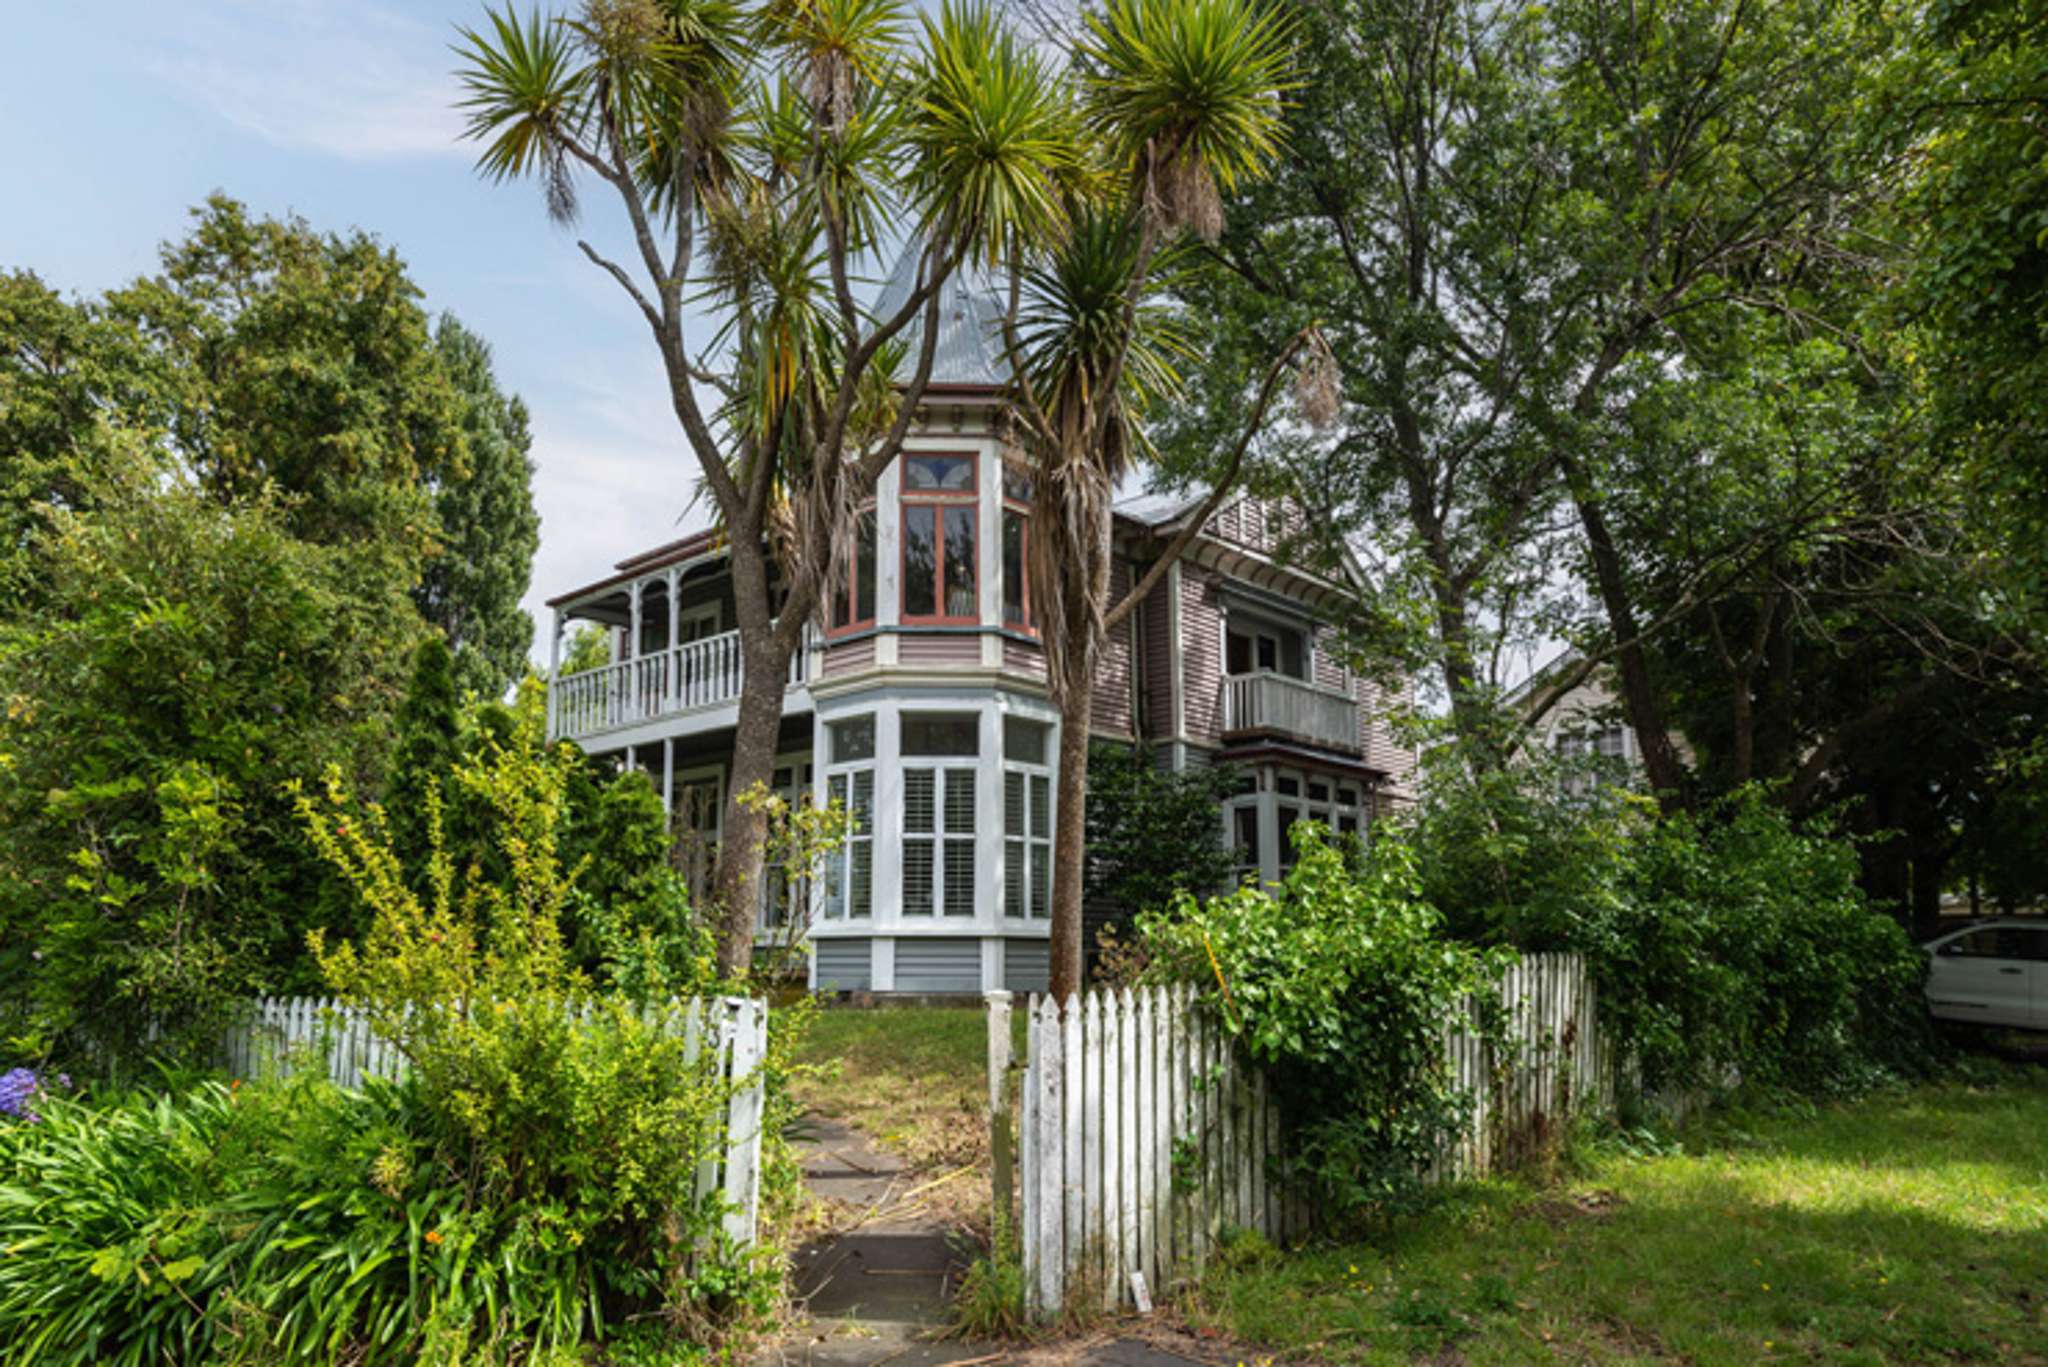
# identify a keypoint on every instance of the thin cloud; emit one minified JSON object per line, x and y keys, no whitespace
{"x":351,"y":81}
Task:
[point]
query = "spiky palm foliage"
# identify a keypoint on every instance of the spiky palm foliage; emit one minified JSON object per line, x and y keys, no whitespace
{"x":1182,"y":96}
{"x":1189,"y":95}
{"x":761,"y":151}
{"x":998,"y":146}
{"x":1092,"y":367}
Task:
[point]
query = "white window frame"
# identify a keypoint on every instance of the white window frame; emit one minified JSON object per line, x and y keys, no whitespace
{"x":947,"y":772}
{"x":773,"y":888}
{"x":842,"y":781}
{"x":1027,"y":855}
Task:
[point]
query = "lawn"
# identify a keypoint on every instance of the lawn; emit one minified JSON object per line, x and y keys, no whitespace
{"x":915,"y":1080}
{"x":1909,"y":1227}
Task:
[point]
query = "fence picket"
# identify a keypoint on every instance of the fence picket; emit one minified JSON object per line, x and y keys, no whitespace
{"x":1088,"y":1106}
{"x":1143,"y":1135}
{"x":1073,"y":1126}
{"x":1046,"y":1042}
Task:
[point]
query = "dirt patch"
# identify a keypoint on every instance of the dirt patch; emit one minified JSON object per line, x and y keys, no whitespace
{"x":1582,"y":1205}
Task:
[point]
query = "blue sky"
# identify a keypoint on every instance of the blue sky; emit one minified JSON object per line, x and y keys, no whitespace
{"x":119,"y":115}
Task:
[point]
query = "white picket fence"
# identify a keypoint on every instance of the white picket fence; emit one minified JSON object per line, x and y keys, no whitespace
{"x":1555,"y":1063}
{"x":1142,"y":1137}
{"x":288,"y":1032}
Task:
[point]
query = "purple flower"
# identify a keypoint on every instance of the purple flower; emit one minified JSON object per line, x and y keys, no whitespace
{"x":18,"y":1088}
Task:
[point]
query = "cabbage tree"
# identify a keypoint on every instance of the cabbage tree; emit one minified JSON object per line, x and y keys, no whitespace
{"x":762,"y":155}
{"x":1185,"y":101}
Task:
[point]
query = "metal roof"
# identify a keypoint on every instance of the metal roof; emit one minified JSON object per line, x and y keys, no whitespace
{"x":970,"y":345}
{"x":1156,"y":509}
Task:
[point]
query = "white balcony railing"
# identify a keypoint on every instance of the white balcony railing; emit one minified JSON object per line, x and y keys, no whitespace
{"x":1283,"y":706}
{"x":685,"y":678}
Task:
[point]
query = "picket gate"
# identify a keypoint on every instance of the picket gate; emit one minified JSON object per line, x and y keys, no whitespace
{"x":285,"y":1033}
{"x":1141,"y":1136}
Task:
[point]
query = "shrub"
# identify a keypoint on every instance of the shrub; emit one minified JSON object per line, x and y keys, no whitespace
{"x":1340,"y":984}
{"x":188,"y":658}
{"x":1153,"y":832}
{"x":569,"y":1121}
{"x":1743,"y":945}
{"x":292,"y":1221}
{"x":1734,"y":942}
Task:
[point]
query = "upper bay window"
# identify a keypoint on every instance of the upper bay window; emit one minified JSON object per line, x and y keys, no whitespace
{"x":941,"y":540}
{"x":1017,"y":491}
{"x":853,"y":602}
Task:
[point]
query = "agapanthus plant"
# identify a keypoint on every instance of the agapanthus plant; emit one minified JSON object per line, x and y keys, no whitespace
{"x":19,"y":1088}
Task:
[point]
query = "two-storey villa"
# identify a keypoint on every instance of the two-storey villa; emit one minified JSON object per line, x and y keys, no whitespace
{"x":921,"y":703}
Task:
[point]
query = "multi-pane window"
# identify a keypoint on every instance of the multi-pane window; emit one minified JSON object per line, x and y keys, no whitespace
{"x":1027,"y":819}
{"x":1254,"y":647}
{"x":939,"y":778}
{"x":850,"y":781}
{"x":1017,"y":491}
{"x":853,"y":602}
{"x":941,"y":533}
{"x":1242,"y":816}
{"x":787,"y":888}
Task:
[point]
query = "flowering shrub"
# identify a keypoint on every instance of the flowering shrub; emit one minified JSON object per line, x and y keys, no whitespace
{"x":19,"y":1090}
{"x":567,"y":1121}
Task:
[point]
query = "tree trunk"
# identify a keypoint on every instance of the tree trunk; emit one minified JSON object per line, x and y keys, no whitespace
{"x":736,"y":882}
{"x":736,"y":886}
{"x":1070,"y":838}
{"x":1638,"y":693}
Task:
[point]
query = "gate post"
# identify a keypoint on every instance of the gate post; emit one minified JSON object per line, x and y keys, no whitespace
{"x":1001,"y":1147}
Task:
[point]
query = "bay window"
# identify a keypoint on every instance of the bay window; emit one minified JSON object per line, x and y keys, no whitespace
{"x":939,"y":777}
{"x":941,"y":540}
{"x":1027,"y":819}
{"x":850,"y":781}
{"x":853,"y":602}
{"x":1017,"y":491}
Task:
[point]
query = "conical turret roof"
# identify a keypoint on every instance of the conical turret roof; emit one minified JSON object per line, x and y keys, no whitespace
{"x":970,"y":346}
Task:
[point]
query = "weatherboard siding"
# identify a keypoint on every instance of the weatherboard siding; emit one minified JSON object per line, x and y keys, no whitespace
{"x":1201,"y":647}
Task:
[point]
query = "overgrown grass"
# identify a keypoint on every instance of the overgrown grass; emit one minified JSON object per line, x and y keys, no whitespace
{"x":913,"y":1079}
{"x":1909,"y":1227}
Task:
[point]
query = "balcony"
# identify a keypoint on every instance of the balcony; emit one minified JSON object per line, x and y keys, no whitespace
{"x":695,"y":677}
{"x":1275,"y":705}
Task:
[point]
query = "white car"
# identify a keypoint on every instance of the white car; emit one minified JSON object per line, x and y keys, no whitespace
{"x":1991,"y":974}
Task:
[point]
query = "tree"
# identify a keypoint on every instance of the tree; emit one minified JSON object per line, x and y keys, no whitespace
{"x":1184,"y":99}
{"x":81,"y":394}
{"x":1519,"y":219}
{"x":186,"y":661}
{"x":1968,"y":305}
{"x":1152,"y":831}
{"x":488,"y":530}
{"x":1412,"y":216}
{"x":303,"y":362}
{"x":759,"y":155}
{"x":429,"y":727}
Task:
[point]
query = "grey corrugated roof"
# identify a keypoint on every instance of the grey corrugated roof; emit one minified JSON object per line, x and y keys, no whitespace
{"x":1155,"y":509}
{"x":970,"y":346}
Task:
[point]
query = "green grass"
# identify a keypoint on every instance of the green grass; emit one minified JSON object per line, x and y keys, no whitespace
{"x":1910,"y":1227}
{"x":914,"y":1079}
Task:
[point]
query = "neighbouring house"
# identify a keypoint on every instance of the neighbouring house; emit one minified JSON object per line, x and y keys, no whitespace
{"x":1587,"y":720}
{"x":921,"y":702}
